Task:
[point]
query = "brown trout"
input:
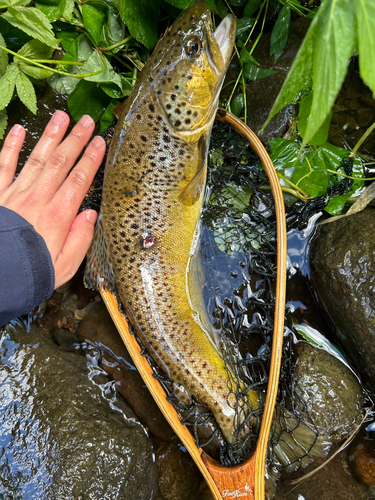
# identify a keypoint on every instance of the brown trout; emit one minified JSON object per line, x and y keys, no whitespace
{"x":152,"y":198}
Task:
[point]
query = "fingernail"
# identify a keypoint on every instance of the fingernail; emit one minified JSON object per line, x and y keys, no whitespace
{"x":97,"y":141}
{"x":91,"y":216}
{"x":59,"y":117}
{"x":86,"y":121}
{"x":17,"y":130}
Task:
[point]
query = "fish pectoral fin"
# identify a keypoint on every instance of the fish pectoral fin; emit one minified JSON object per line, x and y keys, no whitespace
{"x":193,"y":190}
{"x":99,"y":269}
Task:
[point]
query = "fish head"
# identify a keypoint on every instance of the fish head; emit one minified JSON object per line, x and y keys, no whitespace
{"x":188,"y":67}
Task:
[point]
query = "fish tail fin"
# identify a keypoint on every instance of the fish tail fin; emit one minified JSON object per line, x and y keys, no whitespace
{"x":99,"y":269}
{"x":295,"y":443}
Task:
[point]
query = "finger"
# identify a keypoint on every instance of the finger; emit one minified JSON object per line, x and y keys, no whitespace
{"x":51,"y":138}
{"x":64,"y":157}
{"x":9,"y":155}
{"x":70,"y":195}
{"x":76,"y":246}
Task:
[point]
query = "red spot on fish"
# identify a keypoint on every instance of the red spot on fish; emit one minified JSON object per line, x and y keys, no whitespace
{"x":148,"y":242}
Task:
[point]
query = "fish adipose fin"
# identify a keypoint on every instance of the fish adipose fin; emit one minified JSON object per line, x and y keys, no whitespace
{"x":99,"y":269}
{"x":191,"y":194}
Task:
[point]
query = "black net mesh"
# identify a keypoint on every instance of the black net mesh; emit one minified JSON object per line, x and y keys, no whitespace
{"x":237,"y":255}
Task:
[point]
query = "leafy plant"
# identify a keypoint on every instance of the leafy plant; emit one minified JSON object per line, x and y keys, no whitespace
{"x":339,"y":30}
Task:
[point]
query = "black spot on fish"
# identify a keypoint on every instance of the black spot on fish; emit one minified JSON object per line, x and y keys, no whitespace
{"x":143,"y":138}
{"x":168,"y":106}
{"x":178,"y":111}
{"x":177,"y":123}
{"x":187,"y":121}
{"x":173,"y":97}
{"x":176,"y":87}
{"x":166,"y":138}
{"x":139,"y":117}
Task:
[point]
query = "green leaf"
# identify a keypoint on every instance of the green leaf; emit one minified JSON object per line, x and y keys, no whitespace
{"x":3,"y":57}
{"x":280,"y":32}
{"x":244,"y":24}
{"x":253,"y":72}
{"x":108,"y":116}
{"x":334,"y":45}
{"x":217,"y":7}
{"x":13,"y":3}
{"x":180,"y":4}
{"x":251,"y":7}
{"x":94,"y":63}
{"x":310,"y":174}
{"x":246,"y":57}
{"x":34,"y":50}
{"x":95,"y":17}
{"x":87,"y":98}
{"x":33,"y":22}
{"x":304,"y":116}
{"x":141,"y":18}
{"x":26,"y":92}
{"x":237,"y":104}
{"x":52,"y":9}
{"x":68,"y":11}
{"x":7,"y":84}
{"x":14,"y":37}
{"x":3,"y":123}
{"x":298,"y":80}
{"x":365,"y":13}
{"x":127,"y":87}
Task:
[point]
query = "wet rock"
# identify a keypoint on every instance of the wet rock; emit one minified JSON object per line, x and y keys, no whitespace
{"x":68,"y":341}
{"x":329,"y":388}
{"x":342,"y":277}
{"x":99,"y":329}
{"x":178,"y":476}
{"x":362,"y":460}
{"x":60,"y":438}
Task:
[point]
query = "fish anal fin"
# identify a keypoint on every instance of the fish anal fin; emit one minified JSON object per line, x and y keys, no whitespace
{"x":99,"y":269}
{"x":191,"y":194}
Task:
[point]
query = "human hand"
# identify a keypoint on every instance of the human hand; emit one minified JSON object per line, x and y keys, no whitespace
{"x":46,"y":196}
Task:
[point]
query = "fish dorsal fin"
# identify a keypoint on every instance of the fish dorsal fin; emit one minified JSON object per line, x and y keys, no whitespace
{"x":193,"y":190}
{"x":99,"y":269}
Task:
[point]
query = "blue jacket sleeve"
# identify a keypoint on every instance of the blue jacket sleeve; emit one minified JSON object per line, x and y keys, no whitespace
{"x":27,"y":276}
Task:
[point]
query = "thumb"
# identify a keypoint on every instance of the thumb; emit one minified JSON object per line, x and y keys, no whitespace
{"x":75,"y":247}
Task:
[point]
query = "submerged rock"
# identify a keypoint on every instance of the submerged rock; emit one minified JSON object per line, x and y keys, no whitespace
{"x":342,"y":277}
{"x":330,"y":390}
{"x":60,"y":438}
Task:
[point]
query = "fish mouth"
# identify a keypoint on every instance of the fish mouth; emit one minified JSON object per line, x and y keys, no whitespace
{"x":224,"y":35}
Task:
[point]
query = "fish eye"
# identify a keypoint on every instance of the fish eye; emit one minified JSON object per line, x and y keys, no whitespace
{"x":193,"y":47}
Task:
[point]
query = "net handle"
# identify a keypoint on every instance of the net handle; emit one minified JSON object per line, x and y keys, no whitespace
{"x":277,"y":340}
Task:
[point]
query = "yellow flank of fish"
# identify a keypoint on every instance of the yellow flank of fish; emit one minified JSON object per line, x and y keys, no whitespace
{"x":152,"y":199}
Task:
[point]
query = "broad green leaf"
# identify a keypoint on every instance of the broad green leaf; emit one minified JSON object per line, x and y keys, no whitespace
{"x":251,"y":7}
{"x":95,"y":16}
{"x":310,"y":174}
{"x":237,"y":104}
{"x":94,"y":63}
{"x":246,"y":57}
{"x":33,"y":22}
{"x":244,"y":24}
{"x":365,"y":13}
{"x":280,"y":32}
{"x":304,"y":116}
{"x":87,"y":98}
{"x":13,"y":3}
{"x":253,"y":72}
{"x":67,"y":38}
{"x":7,"y":84}
{"x":3,"y":123}
{"x":68,"y":11}
{"x":180,"y":4}
{"x":34,"y":50}
{"x":115,"y":28}
{"x":334,"y":45}
{"x":52,"y":9}
{"x":26,"y":92}
{"x":217,"y":7}
{"x":298,"y":80}
{"x":108,"y":116}
{"x":3,"y":57}
{"x":141,"y":18}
